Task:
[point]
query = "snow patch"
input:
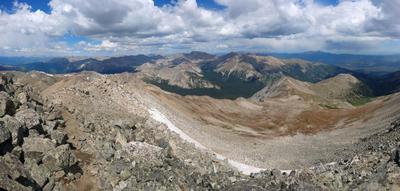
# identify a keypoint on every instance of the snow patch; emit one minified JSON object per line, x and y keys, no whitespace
{"x":47,"y":74}
{"x":158,"y":116}
{"x":244,"y":168}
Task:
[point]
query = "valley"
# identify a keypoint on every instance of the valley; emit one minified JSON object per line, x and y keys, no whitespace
{"x":243,"y":113}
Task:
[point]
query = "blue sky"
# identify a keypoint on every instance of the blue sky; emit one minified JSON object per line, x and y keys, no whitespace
{"x":210,"y":4}
{"x":35,"y":4}
{"x":110,"y":27}
{"x":43,"y":4}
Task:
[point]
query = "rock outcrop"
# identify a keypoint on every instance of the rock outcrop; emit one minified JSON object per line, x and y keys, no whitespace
{"x":30,"y":158}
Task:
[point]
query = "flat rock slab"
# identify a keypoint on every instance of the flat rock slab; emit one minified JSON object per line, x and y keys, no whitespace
{"x":29,"y":117}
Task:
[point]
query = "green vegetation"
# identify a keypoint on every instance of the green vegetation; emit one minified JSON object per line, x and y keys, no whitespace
{"x":231,"y":87}
{"x":312,"y":73}
{"x":360,"y":101}
{"x":362,"y":95}
{"x":328,"y":106}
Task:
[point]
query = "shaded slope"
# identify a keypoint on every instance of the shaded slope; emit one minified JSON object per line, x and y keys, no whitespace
{"x":262,"y":68}
{"x":343,"y":87}
{"x":234,"y":75}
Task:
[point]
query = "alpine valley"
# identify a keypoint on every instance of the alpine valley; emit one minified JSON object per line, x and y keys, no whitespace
{"x":198,"y":121}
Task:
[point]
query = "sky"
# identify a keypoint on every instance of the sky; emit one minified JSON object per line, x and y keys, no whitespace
{"x":115,"y":27}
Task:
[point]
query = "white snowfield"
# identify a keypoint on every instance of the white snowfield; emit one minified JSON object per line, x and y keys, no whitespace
{"x":243,"y":168}
{"x":47,"y":74}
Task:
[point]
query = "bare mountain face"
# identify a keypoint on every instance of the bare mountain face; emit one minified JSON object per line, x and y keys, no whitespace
{"x":249,"y":67}
{"x":182,"y":71}
{"x":230,"y":76}
{"x":335,"y":91}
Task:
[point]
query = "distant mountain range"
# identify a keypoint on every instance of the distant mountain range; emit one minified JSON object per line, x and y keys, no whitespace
{"x":229,"y":76}
{"x":66,"y":65}
{"x":372,"y":64}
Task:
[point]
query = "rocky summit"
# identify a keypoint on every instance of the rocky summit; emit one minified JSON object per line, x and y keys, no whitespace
{"x":50,"y":142}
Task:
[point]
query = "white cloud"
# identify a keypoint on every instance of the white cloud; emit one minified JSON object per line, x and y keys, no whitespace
{"x":388,"y":23}
{"x":133,"y":26}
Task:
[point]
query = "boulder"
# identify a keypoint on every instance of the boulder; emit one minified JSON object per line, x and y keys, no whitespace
{"x":143,"y":153}
{"x":6,"y":105}
{"x":54,"y":115}
{"x":108,"y":150}
{"x":4,"y":133}
{"x":59,"y":136}
{"x":38,"y":144}
{"x":40,"y":174}
{"x":35,"y":147}
{"x":50,"y":185}
{"x":5,"y":84}
{"x":36,"y":98}
{"x":28,"y":117}
{"x":7,"y":184}
{"x":22,"y":97}
{"x":50,"y":126}
{"x":15,"y":127}
{"x":10,"y":170}
{"x":17,"y":152}
{"x":59,"y":158}
{"x":395,"y":155}
{"x":11,"y":166}
{"x":33,"y":133}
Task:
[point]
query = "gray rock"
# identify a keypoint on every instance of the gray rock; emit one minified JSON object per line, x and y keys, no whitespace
{"x":40,"y":174}
{"x":59,"y":136}
{"x":59,"y":174}
{"x":11,"y":166}
{"x":35,"y":147}
{"x":7,"y":184}
{"x":15,"y":127}
{"x":6,"y":105}
{"x":4,"y":133}
{"x":108,"y":150}
{"x":70,"y":177}
{"x":52,"y":125}
{"x":17,"y":151}
{"x":10,"y":170}
{"x":143,"y":153}
{"x":28,"y":117}
{"x":22,"y":97}
{"x":59,"y":158}
{"x":38,"y":144}
{"x":54,"y":115}
{"x":33,"y":133}
{"x":36,"y":98}
{"x":58,"y":187}
{"x":50,"y":185}
{"x":6,"y":84}
{"x":395,"y":155}
{"x":125,"y":174}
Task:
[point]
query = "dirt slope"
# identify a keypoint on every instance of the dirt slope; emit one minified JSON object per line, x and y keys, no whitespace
{"x":284,"y":132}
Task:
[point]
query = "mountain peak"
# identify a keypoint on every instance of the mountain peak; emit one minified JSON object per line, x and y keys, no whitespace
{"x":198,"y":55}
{"x":342,"y":78}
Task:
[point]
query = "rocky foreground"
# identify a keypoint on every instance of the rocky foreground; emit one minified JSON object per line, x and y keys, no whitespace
{"x":48,"y":146}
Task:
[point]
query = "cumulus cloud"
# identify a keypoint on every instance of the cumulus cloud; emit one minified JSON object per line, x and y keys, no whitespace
{"x":388,"y":23}
{"x":138,"y":26}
